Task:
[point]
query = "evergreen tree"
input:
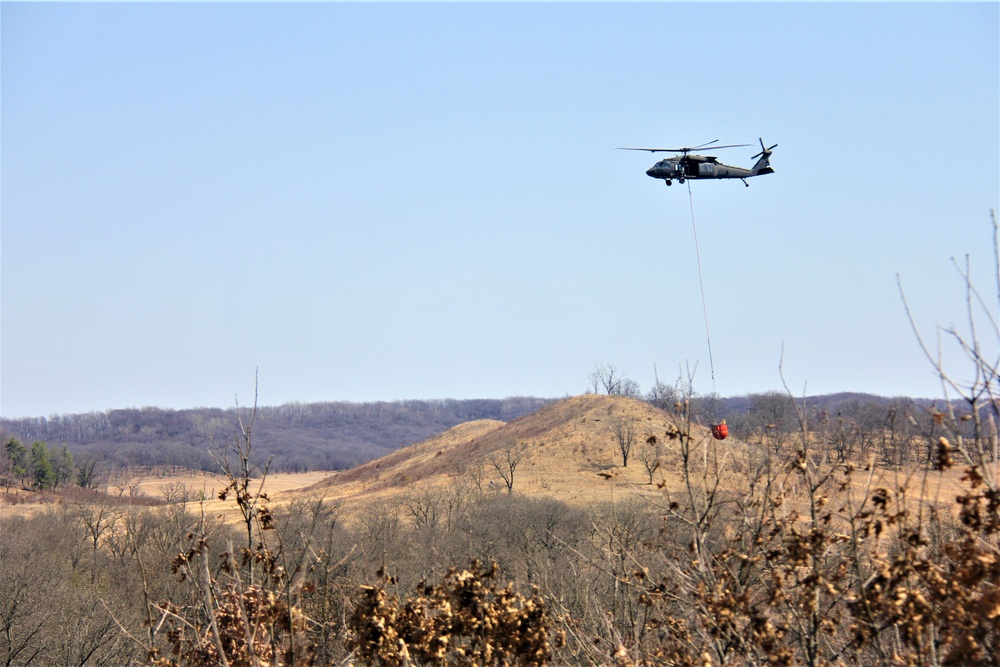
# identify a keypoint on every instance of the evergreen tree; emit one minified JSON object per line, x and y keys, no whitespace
{"x":19,"y":460}
{"x":44,"y":473}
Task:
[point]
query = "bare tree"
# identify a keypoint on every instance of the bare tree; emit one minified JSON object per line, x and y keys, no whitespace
{"x":97,"y":519}
{"x":662,"y":396}
{"x":842,"y":436}
{"x":772,"y":419}
{"x":245,"y":606}
{"x":979,"y":387}
{"x":624,"y":432}
{"x":22,"y":623}
{"x":651,"y":455}
{"x":246,"y":480}
{"x":473,"y":476}
{"x":424,"y":507}
{"x":611,"y":381}
{"x":507,"y":459}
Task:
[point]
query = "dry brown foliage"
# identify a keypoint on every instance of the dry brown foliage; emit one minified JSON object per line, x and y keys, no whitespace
{"x":466,"y":619}
{"x":815,"y":566}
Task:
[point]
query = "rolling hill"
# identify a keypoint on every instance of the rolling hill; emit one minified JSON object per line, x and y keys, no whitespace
{"x":570,"y":451}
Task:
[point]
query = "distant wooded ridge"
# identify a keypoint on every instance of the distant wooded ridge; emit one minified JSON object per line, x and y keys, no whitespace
{"x":296,"y":436}
{"x":328,"y":436}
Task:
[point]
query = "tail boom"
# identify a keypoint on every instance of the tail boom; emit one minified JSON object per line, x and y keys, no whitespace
{"x":763,"y":165}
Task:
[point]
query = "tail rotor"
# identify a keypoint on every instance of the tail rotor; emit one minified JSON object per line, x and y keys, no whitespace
{"x":764,"y":151}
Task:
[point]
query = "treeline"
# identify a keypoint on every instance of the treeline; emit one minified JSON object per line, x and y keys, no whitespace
{"x":887,"y":428}
{"x":295,"y":436}
{"x":851,"y":427}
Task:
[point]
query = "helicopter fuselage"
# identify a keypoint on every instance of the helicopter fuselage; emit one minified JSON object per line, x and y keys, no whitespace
{"x":695,"y":167}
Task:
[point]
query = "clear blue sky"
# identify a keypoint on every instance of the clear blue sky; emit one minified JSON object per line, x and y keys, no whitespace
{"x":393,"y":201}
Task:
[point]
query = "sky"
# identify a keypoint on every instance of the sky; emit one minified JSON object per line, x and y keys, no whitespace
{"x":361,"y":202}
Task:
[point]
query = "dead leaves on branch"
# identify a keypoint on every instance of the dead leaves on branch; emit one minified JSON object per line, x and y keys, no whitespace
{"x":466,"y":619}
{"x":887,"y":580}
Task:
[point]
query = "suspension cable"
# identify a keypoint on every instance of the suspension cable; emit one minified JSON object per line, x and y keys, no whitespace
{"x":701,"y":282}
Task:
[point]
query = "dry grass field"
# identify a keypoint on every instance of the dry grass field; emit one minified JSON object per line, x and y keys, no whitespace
{"x":159,"y":487}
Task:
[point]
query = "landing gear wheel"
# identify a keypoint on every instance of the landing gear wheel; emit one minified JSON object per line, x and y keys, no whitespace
{"x":681,"y":181}
{"x":669,"y":182}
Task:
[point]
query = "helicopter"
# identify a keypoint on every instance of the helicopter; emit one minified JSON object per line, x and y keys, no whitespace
{"x":687,"y":166}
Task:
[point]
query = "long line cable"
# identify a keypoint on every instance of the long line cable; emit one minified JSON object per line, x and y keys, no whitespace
{"x":701,"y":282}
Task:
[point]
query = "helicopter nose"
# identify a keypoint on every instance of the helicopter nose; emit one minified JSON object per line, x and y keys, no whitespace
{"x":651,"y":172}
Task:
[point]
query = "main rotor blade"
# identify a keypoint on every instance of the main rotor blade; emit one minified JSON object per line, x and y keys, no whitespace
{"x":729,"y":146}
{"x":681,"y":150}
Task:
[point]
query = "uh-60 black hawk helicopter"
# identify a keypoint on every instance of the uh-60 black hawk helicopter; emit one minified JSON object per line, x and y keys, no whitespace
{"x":686,"y":165}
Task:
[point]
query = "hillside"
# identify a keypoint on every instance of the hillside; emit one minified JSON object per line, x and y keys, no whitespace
{"x":570,"y":448}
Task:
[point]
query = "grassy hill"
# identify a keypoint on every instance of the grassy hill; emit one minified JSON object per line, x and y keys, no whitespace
{"x":569,"y":450}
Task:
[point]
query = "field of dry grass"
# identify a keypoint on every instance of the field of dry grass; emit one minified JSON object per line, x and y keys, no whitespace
{"x":158,"y":487}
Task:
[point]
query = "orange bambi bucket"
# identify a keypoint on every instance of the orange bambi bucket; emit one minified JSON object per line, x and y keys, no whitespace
{"x":720,"y":431}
